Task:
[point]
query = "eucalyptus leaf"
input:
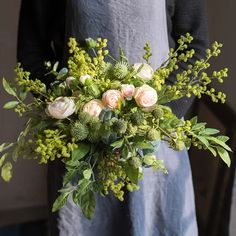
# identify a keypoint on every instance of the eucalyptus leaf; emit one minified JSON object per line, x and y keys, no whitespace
{"x":210,"y":131}
{"x":224,"y":155}
{"x":62,"y":73}
{"x":23,"y":95}
{"x":143,"y":145}
{"x":199,"y":126}
{"x":8,"y":87}
{"x":6,"y":172}
{"x":118,"y":143}
{"x":223,"y":138}
{"x":69,"y":176}
{"x":219,"y":142}
{"x":2,"y":159}
{"x":60,"y":201}
{"x":10,"y":105}
{"x":132,"y":173}
{"x":194,"y":120}
{"x":55,"y":66}
{"x":5,"y":146}
{"x":212,"y":150}
{"x":87,"y":204}
{"x":81,"y":151}
{"x":203,"y":140}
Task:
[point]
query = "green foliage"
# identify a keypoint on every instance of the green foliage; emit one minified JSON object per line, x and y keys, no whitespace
{"x":121,"y":141}
{"x":80,"y":152}
{"x":6,"y":172}
{"x":79,"y":131}
{"x":148,"y":52}
{"x":120,"y":70}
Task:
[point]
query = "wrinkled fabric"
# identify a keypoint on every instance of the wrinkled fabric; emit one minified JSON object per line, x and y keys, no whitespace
{"x":165,"y":203}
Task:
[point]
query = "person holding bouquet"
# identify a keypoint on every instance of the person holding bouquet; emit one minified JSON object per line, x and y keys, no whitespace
{"x":165,"y":203}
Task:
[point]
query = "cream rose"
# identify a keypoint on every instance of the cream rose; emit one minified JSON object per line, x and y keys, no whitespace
{"x":112,"y":98}
{"x":94,"y":107}
{"x":128,"y":90}
{"x":83,"y":78}
{"x":61,"y":108}
{"x":146,"y":73}
{"x":145,"y":96}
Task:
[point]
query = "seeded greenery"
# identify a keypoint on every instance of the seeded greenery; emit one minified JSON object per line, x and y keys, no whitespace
{"x":106,"y":154}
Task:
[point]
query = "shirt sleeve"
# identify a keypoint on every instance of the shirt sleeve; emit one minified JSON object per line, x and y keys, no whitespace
{"x":36,"y":30}
{"x":187,"y":16}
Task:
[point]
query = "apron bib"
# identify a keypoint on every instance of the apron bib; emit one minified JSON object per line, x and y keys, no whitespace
{"x":165,"y":204}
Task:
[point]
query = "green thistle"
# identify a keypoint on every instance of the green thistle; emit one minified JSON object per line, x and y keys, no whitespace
{"x":79,"y":131}
{"x":158,"y":113}
{"x":84,"y":117}
{"x":120,"y":126}
{"x":94,"y":136}
{"x":153,"y":135}
{"x":137,"y":118}
{"x":120,"y":70}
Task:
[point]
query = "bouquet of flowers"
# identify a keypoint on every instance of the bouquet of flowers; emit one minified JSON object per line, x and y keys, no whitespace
{"x":104,"y":118}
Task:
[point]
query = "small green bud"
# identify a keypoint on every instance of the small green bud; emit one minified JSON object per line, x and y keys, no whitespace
{"x":179,"y":144}
{"x":158,"y":113}
{"x":153,"y":135}
{"x":120,"y":126}
{"x":137,"y":118}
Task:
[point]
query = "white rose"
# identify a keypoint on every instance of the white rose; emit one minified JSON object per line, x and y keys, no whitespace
{"x":61,"y":108}
{"x":83,"y":78}
{"x":145,"y":96}
{"x":94,"y":107}
{"x":69,"y":80}
{"x":112,"y":98}
{"x":128,"y":90}
{"x":146,"y":73}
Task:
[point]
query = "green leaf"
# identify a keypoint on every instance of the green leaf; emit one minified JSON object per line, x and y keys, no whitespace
{"x":81,"y":151}
{"x":23,"y":95}
{"x":69,"y":176}
{"x":87,"y":204}
{"x":2,"y":159}
{"x":60,"y":202}
{"x":6,"y":172}
{"x":194,"y":120}
{"x":223,"y":138}
{"x":198,"y":126}
{"x":132,"y":173}
{"x":224,"y":155}
{"x":10,"y":105}
{"x":63,"y":72}
{"x":8,"y":87}
{"x":125,"y":152}
{"x":143,"y":145}
{"x":221,"y":143}
{"x":55,"y":66}
{"x":5,"y":146}
{"x":212,"y":150}
{"x":210,"y":131}
{"x":118,"y":143}
{"x":203,"y":140}
{"x":87,"y":174}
